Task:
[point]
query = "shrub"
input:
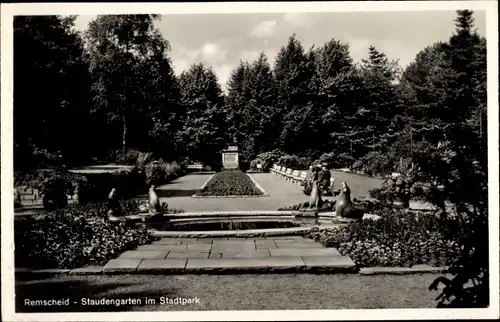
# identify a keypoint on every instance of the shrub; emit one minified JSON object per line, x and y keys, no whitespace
{"x":333,"y":160}
{"x":267,"y":159}
{"x":55,"y":189}
{"x":293,"y":162}
{"x":396,"y":239}
{"x":95,"y":187}
{"x":45,"y":158}
{"x":254,"y":164}
{"x":402,"y":188}
{"x":74,"y":237}
{"x":244,"y":165}
{"x":129,"y":158}
{"x":160,"y":172}
{"x":378,"y":164}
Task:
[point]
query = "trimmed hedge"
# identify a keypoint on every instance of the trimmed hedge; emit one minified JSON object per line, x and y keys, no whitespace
{"x":397,"y":239}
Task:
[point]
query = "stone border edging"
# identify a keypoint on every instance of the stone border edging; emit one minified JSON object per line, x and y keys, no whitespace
{"x":296,"y":231}
{"x":100,"y":270}
{"x":231,"y":196}
{"x":417,"y":269}
{"x":191,"y":270}
{"x":233,"y":213}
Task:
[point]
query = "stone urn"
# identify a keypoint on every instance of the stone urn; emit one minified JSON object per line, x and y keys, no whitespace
{"x":53,"y":201}
{"x":344,"y":208}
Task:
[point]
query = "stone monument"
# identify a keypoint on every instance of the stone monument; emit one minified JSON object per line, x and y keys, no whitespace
{"x":230,"y":158}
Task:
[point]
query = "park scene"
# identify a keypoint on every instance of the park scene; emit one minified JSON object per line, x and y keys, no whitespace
{"x":308,"y":180}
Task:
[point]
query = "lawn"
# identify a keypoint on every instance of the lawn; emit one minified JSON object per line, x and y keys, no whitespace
{"x":230,"y":183}
{"x":234,"y":292}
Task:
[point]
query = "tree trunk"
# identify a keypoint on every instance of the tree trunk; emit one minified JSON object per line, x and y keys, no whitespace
{"x":124,"y":134}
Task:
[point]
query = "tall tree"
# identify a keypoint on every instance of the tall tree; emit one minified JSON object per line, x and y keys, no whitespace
{"x":49,"y":107}
{"x":455,"y":160}
{"x":337,"y":87}
{"x":128,"y":63}
{"x":293,"y":95}
{"x":238,"y":95}
{"x":203,"y":134}
{"x":380,"y":100}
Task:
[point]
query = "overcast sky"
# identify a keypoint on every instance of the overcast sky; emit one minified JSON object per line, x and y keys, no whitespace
{"x":221,"y":40}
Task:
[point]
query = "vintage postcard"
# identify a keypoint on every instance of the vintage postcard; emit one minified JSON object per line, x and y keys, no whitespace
{"x":250,"y":161}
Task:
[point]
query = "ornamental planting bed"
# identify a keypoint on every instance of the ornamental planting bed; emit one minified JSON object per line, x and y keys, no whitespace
{"x":230,"y":183}
{"x":398,"y":239}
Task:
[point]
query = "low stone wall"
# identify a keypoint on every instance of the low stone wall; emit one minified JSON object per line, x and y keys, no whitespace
{"x":32,"y":196}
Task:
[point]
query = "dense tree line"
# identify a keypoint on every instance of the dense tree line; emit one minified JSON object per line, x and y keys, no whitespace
{"x":114,"y":84}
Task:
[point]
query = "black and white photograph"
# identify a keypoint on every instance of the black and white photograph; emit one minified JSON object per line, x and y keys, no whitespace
{"x":250,"y":161}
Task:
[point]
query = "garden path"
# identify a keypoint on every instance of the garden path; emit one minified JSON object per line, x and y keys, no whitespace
{"x":281,"y":194}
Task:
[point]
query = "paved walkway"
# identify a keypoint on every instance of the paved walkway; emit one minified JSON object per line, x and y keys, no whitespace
{"x":281,"y":194}
{"x":231,"y":255}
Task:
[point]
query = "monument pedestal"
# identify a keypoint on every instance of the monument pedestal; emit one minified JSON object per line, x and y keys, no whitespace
{"x":230,"y":158}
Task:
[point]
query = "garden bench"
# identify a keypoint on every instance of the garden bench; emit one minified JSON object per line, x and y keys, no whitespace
{"x":282,"y":172}
{"x":295,"y":176}
{"x":302,"y":177}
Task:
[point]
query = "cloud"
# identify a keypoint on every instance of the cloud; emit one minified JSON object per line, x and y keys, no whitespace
{"x":213,"y":52}
{"x":297,"y":19}
{"x":264,"y":29}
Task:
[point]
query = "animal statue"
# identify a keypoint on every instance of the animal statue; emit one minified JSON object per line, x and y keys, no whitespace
{"x":314,"y":197}
{"x":344,"y":207}
{"x":114,"y":207}
{"x":154,"y":201}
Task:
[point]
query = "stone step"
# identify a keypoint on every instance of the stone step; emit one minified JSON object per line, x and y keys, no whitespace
{"x":285,"y":264}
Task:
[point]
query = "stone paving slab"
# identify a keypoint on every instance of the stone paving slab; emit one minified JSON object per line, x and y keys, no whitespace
{"x":337,"y":263}
{"x":290,"y":254}
{"x":161,"y":265}
{"x":188,"y":254}
{"x":124,"y":265}
{"x":90,"y":270}
{"x":256,"y":254}
{"x":234,"y":265}
{"x":199,"y":247}
{"x":168,"y":241}
{"x":144,"y":254}
{"x":418,"y":269}
{"x":300,"y":252}
{"x":298,"y":245}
